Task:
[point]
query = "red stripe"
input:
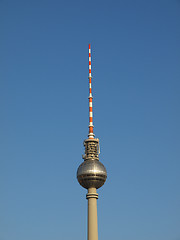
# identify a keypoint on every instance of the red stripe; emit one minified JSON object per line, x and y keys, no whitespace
{"x":90,"y":119}
{"x":90,"y":129}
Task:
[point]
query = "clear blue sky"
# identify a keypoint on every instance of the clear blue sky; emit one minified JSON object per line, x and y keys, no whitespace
{"x":44,"y":117}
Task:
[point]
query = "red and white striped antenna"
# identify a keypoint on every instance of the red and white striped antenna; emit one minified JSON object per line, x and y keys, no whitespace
{"x":91,"y":134}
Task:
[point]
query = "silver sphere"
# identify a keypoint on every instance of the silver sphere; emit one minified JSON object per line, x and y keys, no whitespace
{"x":91,"y":173}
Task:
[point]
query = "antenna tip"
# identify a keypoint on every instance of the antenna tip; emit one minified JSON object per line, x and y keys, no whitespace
{"x":89,"y":46}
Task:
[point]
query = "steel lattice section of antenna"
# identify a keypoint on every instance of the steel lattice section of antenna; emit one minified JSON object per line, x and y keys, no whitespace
{"x":91,"y":174}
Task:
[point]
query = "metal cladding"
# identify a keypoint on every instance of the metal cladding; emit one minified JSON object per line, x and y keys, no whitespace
{"x":91,"y":173}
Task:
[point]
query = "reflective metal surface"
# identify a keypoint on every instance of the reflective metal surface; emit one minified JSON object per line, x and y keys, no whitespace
{"x":91,"y":173}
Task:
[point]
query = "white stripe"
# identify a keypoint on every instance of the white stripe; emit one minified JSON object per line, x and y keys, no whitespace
{"x":91,"y":136}
{"x":90,"y":75}
{"x":89,"y":50}
{"x":90,"y":85}
{"x":91,"y":124}
{"x":90,"y":95}
{"x":90,"y":114}
{"x":90,"y":104}
{"x":90,"y":59}
{"x":89,"y":66}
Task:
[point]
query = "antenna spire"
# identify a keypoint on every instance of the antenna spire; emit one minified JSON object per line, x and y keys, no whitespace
{"x":91,"y":134}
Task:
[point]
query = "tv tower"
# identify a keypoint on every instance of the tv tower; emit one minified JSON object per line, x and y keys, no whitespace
{"x":91,"y":174}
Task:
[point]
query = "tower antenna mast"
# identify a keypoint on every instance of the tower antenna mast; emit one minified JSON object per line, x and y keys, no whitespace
{"x":91,"y":134}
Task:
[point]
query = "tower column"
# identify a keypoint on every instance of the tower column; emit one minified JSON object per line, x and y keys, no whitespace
{"x":91,"y":173}
{"x":92,"y":197}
